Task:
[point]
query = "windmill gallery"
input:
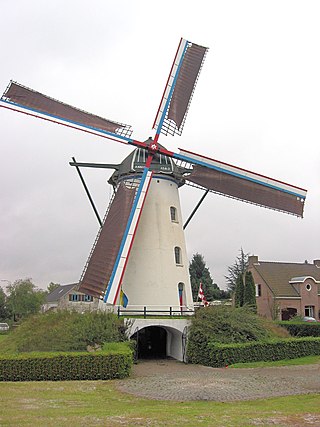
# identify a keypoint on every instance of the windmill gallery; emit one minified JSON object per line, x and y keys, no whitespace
{"x":143,"y":221}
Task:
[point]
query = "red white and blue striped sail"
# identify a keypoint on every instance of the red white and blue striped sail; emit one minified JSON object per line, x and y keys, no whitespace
{"x":119,"y":268}
{"x":241,"y":184}
{"x":25,"y":100}
{"x":179,"y":89}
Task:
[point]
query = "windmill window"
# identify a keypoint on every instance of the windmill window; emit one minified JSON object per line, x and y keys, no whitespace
{"x":177,"y":255}
{"x":173,"y":214}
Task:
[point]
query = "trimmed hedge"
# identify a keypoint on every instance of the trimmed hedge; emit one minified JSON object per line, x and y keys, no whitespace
{"x":65,"y":366}
{"x":299,"y":329}
{"x":219,"y":355}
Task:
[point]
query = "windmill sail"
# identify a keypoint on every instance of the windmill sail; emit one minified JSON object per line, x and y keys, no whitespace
{"x":98,"y":270}
{"x":244,"y":185}
{"x":179,"y":89}
{"x":17,"y":95}
{"x":120,"y":264}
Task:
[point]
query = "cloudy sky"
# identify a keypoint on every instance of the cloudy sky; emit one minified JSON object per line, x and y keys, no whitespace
{"x":257,"y":105}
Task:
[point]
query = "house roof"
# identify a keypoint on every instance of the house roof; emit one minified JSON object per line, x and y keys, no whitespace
{"x":59,"y":292}
{"x":278,"y":275}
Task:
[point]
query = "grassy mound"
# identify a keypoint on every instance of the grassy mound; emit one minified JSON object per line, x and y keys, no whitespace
{"x":64,"y":331}
{"x":228,"y":325}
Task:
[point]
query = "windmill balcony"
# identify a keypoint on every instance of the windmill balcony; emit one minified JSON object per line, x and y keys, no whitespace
{"x":153,"y":311}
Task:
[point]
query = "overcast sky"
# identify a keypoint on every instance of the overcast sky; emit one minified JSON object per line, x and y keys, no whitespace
{"x":256,"y":105}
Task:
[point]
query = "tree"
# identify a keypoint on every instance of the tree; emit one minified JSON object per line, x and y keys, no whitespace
{"x":4,"y":311}
{"x":250,"y":292}
{"x":200,"y":273}
{"x":24,"y":298}
{"x":239,"y":292}
{"x":237,"y":269}
{"x":52,"y":286}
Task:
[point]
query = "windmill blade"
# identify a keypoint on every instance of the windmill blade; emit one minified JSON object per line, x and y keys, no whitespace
{"x":98,"y":269}
{"x":25,"y":100}
{"x":179,"y":89}
{"x":241,"y":184}
{"x":120,"y":265}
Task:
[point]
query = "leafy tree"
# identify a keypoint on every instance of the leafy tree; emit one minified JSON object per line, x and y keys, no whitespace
{"x":24,"y":298}
{"x":239,"y":292}
{"x":52,"y":286}
{"x":238,"y":268}
{"x":250,"y":292}
{"x":4,"y":311}
{"x":200,"y":273}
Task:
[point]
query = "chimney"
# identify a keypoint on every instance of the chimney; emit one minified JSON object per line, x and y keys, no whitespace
{"x":316,"y":262}
{"x":253,"y":259}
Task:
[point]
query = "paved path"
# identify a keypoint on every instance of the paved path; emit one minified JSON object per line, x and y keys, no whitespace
{"x":172,"y":380}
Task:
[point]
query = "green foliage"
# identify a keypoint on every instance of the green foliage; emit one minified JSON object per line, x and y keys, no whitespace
{"x":24,"y":298}
{"x":64,"y":331}
{"x":301,"y":329}
{"x":218,"y":355}
{"x":249,"y":297}
{"x":4,"y":309}
{"x":100,"y":365}
{"x":239,"y":292}
{"x":200,"y":273}
{"x":225,"y":325}
{"x":237,"y":269}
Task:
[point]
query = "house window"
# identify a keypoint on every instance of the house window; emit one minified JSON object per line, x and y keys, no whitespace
{"x":78,"y":298}
{"x":173,"y":214}
{"x":309,"y":310}
{"x":177,"y":255}
{"x":258,"y":290}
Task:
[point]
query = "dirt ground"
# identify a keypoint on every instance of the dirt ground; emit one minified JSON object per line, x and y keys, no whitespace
{"x":173,"y":380}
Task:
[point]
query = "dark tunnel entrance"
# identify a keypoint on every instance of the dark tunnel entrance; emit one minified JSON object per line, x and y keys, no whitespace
{"x":151,"y":342}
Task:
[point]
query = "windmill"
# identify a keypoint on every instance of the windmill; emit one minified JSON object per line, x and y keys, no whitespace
{"x":140,"y":248}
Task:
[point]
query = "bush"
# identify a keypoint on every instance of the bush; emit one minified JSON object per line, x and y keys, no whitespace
{"x":100,"y":365}
{"x":227,"y":325}
{"x":65,"y":331}
{"x":218,"y":355}
{"x":301,"y":329}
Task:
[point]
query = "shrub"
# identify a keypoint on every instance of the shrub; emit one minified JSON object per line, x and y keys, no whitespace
{"x":65,"y":331}
{"x":218,"y":355}
{"x":226,"y":325}
{"x":301,"y":329}
{"x":100,"y":365}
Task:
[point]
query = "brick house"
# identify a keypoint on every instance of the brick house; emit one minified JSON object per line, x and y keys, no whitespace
{"x":284,"y":290}
{"x":68,"y":297}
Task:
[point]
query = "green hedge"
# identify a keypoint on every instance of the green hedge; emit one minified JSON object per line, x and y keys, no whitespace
{"x":65,"y":366}
{"x":299,"y":329}
{"x":218,"y":355}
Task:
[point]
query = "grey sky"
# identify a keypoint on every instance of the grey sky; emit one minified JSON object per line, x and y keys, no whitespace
{"x":256,"y":105}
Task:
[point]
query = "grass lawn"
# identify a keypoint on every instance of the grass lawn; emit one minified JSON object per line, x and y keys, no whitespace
{"x":98,"y":403}
{"x":300,"y":361}
{"x":3,"y":337}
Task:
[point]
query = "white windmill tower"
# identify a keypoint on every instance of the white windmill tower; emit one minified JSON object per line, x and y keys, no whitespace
{"x":140,"y":247}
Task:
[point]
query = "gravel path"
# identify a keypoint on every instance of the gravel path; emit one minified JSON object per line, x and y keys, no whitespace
{"x":172,"y":380}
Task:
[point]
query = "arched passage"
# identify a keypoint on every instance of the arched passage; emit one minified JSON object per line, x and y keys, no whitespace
{"x":151,"y":342}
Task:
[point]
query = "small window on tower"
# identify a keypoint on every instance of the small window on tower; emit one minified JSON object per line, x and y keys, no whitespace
{"x":173,"y":214}
{"x":177,"y":255}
